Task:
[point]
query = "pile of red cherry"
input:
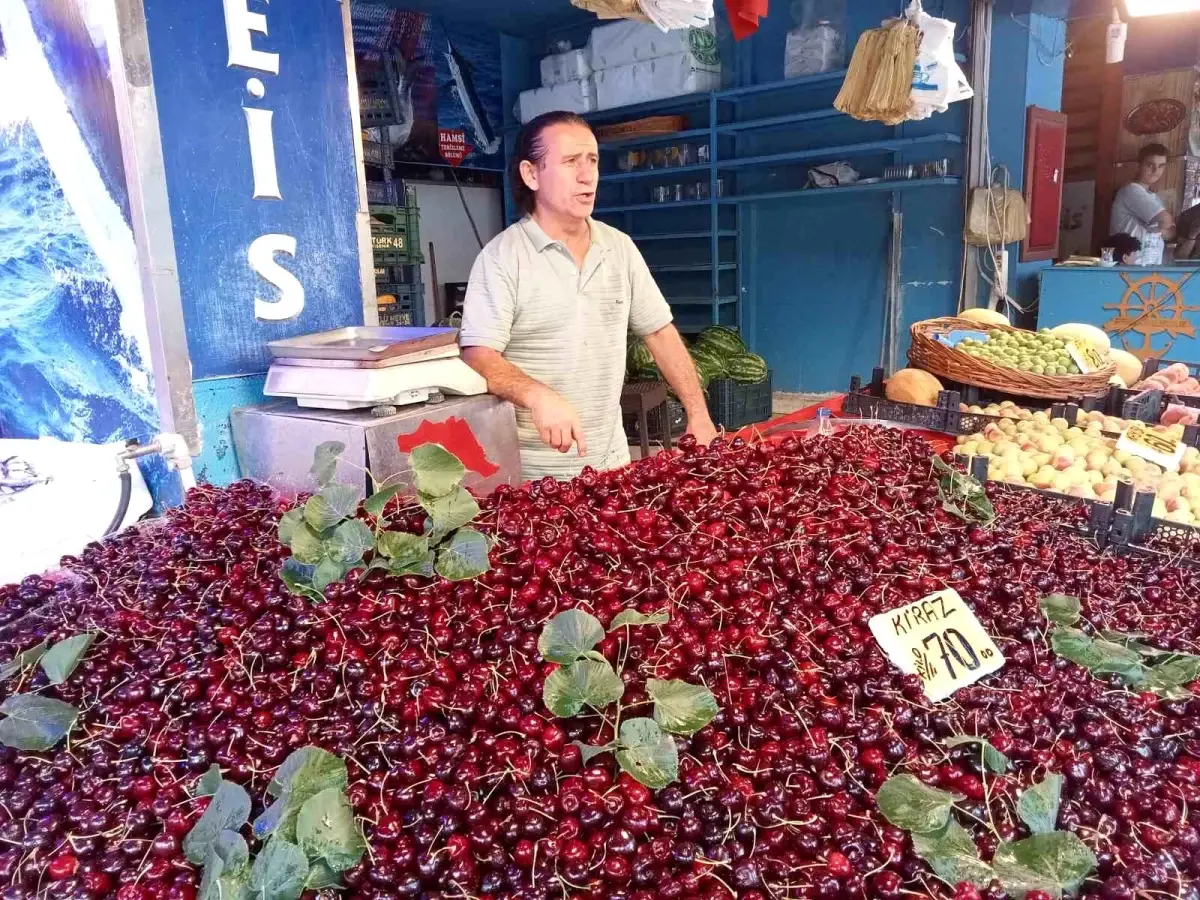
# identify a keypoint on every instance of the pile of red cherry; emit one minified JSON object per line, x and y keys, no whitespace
{"x":769,"y":558}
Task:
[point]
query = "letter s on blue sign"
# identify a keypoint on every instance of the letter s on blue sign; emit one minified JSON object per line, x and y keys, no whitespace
{"x":290,"y":302}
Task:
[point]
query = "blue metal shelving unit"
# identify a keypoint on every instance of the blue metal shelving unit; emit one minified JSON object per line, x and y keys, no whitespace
{"x":660,"y":227}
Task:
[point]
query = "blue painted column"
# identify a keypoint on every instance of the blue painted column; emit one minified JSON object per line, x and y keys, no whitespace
{"x":1028,"y":52}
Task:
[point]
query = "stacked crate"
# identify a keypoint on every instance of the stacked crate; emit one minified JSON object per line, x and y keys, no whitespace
{"x":396,"y":243}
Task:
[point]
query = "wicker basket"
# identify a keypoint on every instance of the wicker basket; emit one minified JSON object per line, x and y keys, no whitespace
{"x":927,"y":352}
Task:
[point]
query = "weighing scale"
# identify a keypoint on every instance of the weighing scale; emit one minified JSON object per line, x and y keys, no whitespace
{"x":371,"y":367}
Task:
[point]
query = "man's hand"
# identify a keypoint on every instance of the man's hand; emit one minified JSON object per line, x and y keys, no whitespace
{"x":702,"y":428}
{"x":557,"y":422}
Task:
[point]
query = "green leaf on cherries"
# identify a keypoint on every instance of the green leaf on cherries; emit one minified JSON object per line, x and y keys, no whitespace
{"x":22,"y":661}
{"x":1175,"y":672}
{"x":304,"y":774}
{"x":226,"y":876}
{"x":1133,"y":640}
{"x":583,"y":683}
{"x":436,"y":470}
{"x":60,"y":660}
{"x":349,"y":542}
{"x":679,"y":707}
{"x":403,"y":547}
{"x":378,"y":501}
{"x":588,"y":752}
{"x":230,"y":848}
{"x":325,"y":461}
{"x":632,"y":617}
{"x":648,"y":753}
{"x":279,"y":871}
{"x":993,"y":760}
{"x":327,"y":572}
{"x":1056,"y":863}
{"x":1097,"y":655}
{"x":307,"y":547}
{"x":465,"y":557}
{"x":227,"y":811}
{"x":1038,"y":805}
{"x":424,"y":566}
{"x":207,"y":784}
{"x":569,"y":635}
{"x":288,"y":523}
{"x":334,"y":504}
{"x":326,"y":830}
{"x":320,"y":877}
{"x":913,"y":806}
{"x":297,"y":577}
{"x":952,"y":854}
{"x":35,"y":723}
{"x":449,"y":511}
{"x":1061,"y":609}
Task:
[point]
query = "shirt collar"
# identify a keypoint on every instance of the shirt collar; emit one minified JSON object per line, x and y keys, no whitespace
{"x":541,"y":240}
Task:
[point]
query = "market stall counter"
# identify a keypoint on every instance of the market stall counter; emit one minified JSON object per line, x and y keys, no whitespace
{"x":1151,"y":311}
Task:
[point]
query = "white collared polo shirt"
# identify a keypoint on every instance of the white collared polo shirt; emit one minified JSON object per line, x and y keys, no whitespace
{"x":565,"y":327}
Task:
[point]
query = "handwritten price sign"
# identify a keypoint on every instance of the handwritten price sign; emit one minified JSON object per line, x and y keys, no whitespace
{"x":1152,"y":446}
{"x":1087,"y":357}
{"x":939,"y":639}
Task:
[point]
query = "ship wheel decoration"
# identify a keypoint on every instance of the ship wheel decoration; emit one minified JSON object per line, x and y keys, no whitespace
{"x":1151,"y":305}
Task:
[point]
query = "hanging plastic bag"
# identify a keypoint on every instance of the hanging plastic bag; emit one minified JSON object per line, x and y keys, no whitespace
{"x":937,"y":79}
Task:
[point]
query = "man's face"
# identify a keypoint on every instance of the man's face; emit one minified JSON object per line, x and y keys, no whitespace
{"x":565,"y":181}
{"x":1151,"y":171}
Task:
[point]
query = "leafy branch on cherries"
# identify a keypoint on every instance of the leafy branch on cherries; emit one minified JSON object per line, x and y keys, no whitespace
{"x":1106,"y":653}
{"x":1049,"y":861}
{"x":328,"y":540}
{"x":310,"y":833}
{"x":962,"y":496}
{"x":643,"y":746}
{"x":36,"y":723}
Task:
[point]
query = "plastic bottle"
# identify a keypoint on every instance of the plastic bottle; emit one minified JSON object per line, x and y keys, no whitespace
{"x":824,"y":421}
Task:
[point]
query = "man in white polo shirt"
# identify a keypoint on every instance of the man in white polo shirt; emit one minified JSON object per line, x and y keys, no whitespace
{"x":549,"y":305}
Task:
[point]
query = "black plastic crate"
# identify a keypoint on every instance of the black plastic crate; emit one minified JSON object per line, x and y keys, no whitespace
{"x":409,"y":305}
{"x":377,"y":154}
{"x":382,"y":192}
{"x":732,"y":405}
{"x":659,"y":421}
{"x":405,"y":274}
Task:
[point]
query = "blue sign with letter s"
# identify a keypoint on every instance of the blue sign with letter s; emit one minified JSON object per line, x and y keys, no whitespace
{"x":254,"y":110}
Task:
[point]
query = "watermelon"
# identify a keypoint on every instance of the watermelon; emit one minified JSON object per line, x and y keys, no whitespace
{"x":748,"y":369}
{"x":725,"y":340}
{"x":712,"y":359}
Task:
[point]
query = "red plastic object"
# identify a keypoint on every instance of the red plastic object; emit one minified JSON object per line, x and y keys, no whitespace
{"x":744,"y":16}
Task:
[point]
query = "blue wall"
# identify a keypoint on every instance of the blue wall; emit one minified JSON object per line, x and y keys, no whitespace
{"x":1027,"y":70}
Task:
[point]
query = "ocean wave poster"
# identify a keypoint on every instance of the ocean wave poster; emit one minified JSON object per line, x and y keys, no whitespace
{"x":429,"y":81}
{"x":74,"y":356}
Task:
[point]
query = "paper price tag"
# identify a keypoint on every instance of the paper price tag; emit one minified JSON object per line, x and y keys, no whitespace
{"x":1087,"y":357}
{"x":939,"y":639}
{"x":1152,"y":447}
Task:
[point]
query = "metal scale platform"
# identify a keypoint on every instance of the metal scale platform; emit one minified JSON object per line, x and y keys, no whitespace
{"x":363,"y":368}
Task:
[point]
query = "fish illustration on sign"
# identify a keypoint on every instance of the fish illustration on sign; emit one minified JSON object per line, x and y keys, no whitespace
{"x":486,"y":138}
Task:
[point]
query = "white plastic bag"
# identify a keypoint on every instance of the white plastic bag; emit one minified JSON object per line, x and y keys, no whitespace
{"x":937,"y":79}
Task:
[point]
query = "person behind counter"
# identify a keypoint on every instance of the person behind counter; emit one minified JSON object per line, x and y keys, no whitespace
{"x":550,"y":302}
{"x":1126,"y":249}
{"x":1136,"y":209}
{"x":1187,"y":233}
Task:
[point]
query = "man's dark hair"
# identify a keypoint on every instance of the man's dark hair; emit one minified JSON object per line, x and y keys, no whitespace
{"x":531,"y":147}
{"x":1122,"y":245}
{"x":1151,"y":150}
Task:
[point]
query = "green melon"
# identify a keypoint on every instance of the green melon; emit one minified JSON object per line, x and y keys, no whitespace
{"x":726,"y":340}
{"x":748,"y":369}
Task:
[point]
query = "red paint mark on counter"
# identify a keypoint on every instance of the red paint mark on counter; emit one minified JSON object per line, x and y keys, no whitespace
{"x":456,"y":436}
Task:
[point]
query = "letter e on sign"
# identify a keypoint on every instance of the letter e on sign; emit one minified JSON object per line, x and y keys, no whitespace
{"x":949,"y":650}
{"x":291,"y":292}
{"x":240,"y":26}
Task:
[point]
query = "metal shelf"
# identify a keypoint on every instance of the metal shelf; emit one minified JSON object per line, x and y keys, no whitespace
{"x":652,"y":173}
{"x":658,"y":107}
{"x":814,"y":193}
{"x":814,"y":115}
{"x":641,"y":207}
{"x":657,"y":138}
{"x":697,"y":267}
{"x":700,"y":301}
{"x":865,"y":148}
{"x":736,"y":95}
{"x":683,"y":235}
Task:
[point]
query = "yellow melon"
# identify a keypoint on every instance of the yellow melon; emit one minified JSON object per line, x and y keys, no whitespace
{"x":1129,"y":367}
{"x":984,"y":316}
{"x":914,"y":386}
{"x":1080,"y":332}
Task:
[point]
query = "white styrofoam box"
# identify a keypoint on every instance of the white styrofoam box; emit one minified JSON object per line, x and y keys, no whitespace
{"x":574,"y":65}
{"x":654,"y":79}
{"x":574,"y":96}
{"x":624,"y":43}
